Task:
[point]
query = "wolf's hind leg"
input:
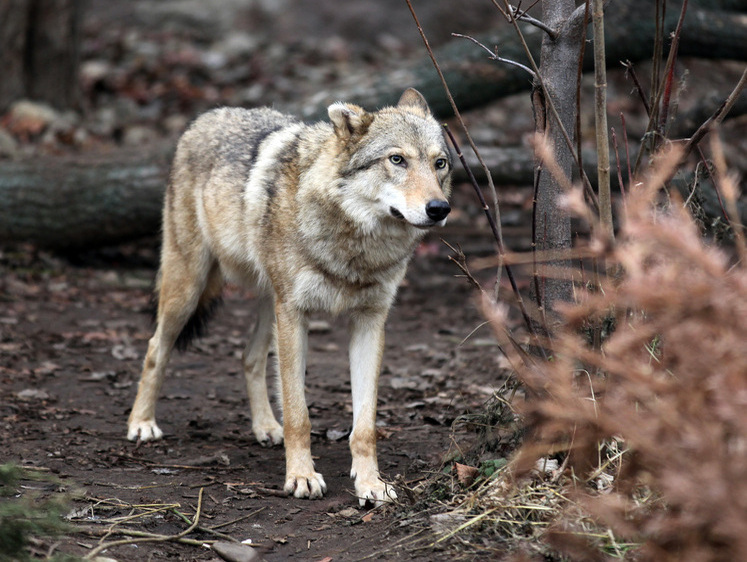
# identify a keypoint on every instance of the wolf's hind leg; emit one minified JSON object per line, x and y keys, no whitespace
{"x":184,"y":288}
{"x":266,"y":428}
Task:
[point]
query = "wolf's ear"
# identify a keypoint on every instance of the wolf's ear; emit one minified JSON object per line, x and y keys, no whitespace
{"x":413,"y":98}
{"x":349,"y":120}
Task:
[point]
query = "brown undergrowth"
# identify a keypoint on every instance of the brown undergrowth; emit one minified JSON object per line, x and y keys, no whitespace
{"x":636,"y":448}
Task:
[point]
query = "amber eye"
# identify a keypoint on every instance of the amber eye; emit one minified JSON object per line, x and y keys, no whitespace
{"x":440,"y":163}
{"x":397,"y":159}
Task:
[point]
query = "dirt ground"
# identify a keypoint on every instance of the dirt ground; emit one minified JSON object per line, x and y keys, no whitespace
{"x":72,"y":337}
{"x":73,"y":329}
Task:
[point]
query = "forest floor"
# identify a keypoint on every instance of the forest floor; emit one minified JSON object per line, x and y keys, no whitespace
{"x":73,"y":329}
{"x":72,"y":338}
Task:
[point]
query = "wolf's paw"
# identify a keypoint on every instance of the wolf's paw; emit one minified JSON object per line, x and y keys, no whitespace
{"x":310,"y":486}
{"x":268,"y":433}
{"x":373,"y":492}
{"x":144,"y":430}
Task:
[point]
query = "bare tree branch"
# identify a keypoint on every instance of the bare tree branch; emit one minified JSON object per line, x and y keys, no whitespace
{"x":494,"y":56}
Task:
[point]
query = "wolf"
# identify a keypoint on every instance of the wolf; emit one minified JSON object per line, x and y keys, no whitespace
{"x":311,"y":217}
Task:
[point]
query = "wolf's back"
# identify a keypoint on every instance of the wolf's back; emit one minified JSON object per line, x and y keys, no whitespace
{"x":226,"y":138}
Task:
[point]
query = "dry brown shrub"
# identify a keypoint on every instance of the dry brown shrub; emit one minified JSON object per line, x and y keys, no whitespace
{"x":669,"y":385}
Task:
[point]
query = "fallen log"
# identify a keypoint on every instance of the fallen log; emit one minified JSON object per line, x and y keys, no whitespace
{"x":80,"y":203}
{"x":71,"y":203}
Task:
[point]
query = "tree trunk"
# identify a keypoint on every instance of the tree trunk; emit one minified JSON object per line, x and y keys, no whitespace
{"x":14,"y":17}
{"x":39,"y":51}
{"x":551,"y":226}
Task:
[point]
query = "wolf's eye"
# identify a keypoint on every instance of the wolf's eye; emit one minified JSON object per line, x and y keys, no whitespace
{"x":440,"y":163}
{"x":397,"y":159}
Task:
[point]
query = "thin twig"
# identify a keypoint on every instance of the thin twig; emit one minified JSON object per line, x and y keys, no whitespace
{"x":463,"y":125}
{"x":710,"y":173}
{"x":627,"y":148}
{"x":655,"y":105}
{"x":96,"y":532}
{"x":238,"y":519}
{"x":667,"y":93}
{"x":630,"y":71}
{"x":618,"y":164}
{"x":718,"y":115}
{"x":730,"y":191}
{"x":152,"y":537}
{"x":496,"y":235}
{"x":521,"y":15}
{"x":548,"y":99}
{"x":494,"y":54}
{"x":460,"y":260}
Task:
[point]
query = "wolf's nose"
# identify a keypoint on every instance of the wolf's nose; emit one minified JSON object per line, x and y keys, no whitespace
{"x":437,"y":209}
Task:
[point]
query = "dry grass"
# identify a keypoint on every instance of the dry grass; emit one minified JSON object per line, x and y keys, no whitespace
{"x":650,"y":428}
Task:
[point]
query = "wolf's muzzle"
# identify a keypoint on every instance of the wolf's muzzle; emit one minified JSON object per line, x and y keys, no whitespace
{"x":437,"y":209}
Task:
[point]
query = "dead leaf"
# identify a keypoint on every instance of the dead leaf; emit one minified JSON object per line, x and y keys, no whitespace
{"x":466,"y":474}
{"x":348,"y":512}
{"x":124,"y":352}
{"x":47,"y":368}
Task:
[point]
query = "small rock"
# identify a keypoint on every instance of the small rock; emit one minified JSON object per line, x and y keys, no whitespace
{"x":337,"y":434}
{"x":32,"y":394}
{"x":319,"y":327}
{"x":176,"y":124}
{"x":400,"y":383}
{"x":93,"y":71}
{"x":237,"y":44}
{"x":446,"y":522}
{"x":138,"y":135}
{"x":124,"y":352}
{"x":234,"y":552}
{"x":27,"y":111}
{"x":548,"y":466}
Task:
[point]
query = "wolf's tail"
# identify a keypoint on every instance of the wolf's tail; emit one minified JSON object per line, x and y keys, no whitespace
{"x":196,"y":326}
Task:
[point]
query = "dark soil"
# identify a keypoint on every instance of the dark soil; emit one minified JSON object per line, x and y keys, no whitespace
{"x":73,"y":330}
{"x":72,"y":337}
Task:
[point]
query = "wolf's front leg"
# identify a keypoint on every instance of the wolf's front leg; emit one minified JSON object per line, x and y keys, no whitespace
{"x":300,"y":478}
{"x":366,"y":350}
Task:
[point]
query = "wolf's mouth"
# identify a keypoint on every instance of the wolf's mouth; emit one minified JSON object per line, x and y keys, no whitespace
{"x":399,"y":216}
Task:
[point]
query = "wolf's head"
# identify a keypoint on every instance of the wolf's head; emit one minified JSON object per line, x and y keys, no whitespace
{"x":397,"y":165}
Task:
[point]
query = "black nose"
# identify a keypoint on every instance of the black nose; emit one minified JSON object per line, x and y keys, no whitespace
{"x":437,"y":209}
